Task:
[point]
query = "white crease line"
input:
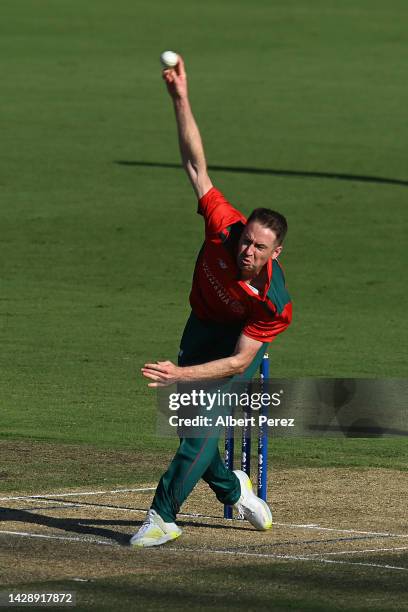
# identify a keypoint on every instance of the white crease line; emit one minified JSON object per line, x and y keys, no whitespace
{"x":391,"y":567}
{"x":51,"y":537}
{"x":63,"y":504}
{"x":210,"y":551}
{"x":79,"y":493}
{"x":319,"y":528}
{"x":114,"y":491}
{"x":203,"y":516}
{"x":356,"y":552}
{"x":287,"y":557}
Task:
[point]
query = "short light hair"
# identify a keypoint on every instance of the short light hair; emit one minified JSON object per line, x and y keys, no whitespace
{"x":272,"y":220}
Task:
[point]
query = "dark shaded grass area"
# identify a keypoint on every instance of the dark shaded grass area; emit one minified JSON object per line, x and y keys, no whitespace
{"x":277,"y":586}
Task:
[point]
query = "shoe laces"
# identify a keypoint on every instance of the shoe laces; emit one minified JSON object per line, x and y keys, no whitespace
{"x":146,"y":523}
{"x":241,"y":514}
{"x":243,"y":511}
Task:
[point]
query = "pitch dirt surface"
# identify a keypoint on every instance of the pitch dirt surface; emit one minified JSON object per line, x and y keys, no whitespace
{"x":321,"y":516}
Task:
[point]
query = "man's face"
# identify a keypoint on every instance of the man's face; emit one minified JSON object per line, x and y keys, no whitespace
{"x":257,"y":244}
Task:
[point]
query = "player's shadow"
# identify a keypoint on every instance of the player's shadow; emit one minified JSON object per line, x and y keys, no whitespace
{"x":182,"y":519}
{"x":91,"y":526}
{"x":340,"y":176}
{"x":78,"y":526}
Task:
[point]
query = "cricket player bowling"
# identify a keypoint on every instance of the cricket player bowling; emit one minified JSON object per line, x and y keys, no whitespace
{"x":239,"y":304}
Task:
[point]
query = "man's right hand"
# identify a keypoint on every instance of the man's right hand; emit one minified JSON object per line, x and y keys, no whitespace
{"x":176,"y":80}
{"x":191,"y":146}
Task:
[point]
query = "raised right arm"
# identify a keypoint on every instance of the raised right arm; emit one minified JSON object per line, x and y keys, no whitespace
{"x":191,"y":146}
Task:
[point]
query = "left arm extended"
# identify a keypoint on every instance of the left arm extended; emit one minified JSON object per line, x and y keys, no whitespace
{"x":165,"y":373}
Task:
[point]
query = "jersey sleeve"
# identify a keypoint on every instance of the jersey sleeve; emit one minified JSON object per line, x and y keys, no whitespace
{"x":218,"y":213}
{"x":267,"y":328}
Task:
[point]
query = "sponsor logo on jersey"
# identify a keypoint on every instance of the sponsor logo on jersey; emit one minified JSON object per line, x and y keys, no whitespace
{"x":218,"y":288}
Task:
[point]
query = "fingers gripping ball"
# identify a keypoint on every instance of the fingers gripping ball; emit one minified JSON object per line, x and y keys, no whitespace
{"x":169,"y":59}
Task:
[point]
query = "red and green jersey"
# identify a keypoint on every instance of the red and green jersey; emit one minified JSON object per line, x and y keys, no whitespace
{"x":218,"y":294}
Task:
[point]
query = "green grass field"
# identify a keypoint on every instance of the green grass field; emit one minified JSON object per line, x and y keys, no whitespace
{"x":99,"y":236}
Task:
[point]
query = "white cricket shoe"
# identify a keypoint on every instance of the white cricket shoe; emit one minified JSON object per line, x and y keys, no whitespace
{"x":251,"y":507}
{"x":155,"y":531}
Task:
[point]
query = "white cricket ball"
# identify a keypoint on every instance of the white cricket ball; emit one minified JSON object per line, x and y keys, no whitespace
{"x":169,"y":59}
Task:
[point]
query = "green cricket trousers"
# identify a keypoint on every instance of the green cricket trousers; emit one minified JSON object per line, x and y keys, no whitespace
{"x":197,"y":458}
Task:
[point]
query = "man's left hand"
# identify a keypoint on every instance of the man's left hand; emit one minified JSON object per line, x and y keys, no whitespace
{"x":163,"y":373}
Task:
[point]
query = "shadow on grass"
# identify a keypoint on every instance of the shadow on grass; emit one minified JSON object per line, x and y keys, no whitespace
{"x":90,"y":526}
{"x":77,"y":526}
{"x":281,"y":586}
{"x":340,"y":176}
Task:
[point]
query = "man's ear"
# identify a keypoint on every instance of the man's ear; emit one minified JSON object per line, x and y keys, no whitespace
{"x":278,"y":250}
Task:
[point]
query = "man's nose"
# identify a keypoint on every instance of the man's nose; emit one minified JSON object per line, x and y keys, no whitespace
{"x":250,"y":249}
